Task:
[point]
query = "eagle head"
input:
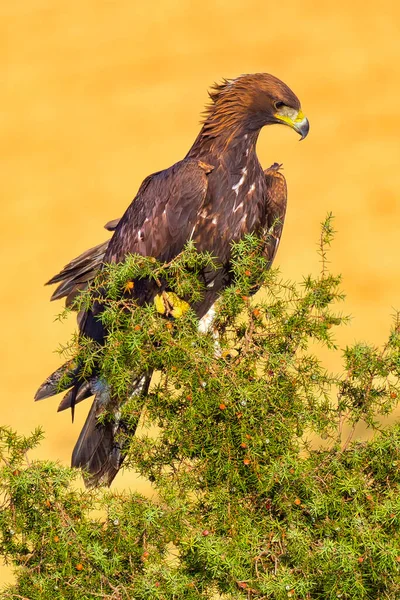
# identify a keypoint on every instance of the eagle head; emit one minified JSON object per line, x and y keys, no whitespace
{"x":257,"y":100}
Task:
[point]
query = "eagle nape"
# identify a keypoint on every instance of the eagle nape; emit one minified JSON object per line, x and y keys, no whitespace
{"x":214,"y":196}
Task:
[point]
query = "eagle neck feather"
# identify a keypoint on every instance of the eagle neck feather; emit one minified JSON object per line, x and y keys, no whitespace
{"x":229,"y":125}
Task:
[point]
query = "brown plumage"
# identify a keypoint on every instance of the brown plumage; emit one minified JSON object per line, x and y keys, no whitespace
{"x":214,"y":196}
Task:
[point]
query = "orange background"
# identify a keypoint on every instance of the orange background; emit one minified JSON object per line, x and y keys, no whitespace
{"x":98,"y":94}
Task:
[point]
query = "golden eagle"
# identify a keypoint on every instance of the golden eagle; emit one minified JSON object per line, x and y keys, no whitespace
{"x":214,"y":196}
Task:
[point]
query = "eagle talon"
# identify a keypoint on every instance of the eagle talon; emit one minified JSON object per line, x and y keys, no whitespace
{"x":169,"y":304}
{"x":168,"y":307}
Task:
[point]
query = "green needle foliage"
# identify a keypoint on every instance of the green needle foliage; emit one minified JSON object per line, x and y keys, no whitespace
{"x":245,"y":507}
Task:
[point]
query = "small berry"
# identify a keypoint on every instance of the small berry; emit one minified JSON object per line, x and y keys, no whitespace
{"x":256,"y":312}
{"x":56,"y":538}
{"x":243,"y":445}
{"x":145,"y":555}
{"x":157,"y":584}
{"x":79,"y":567}
{"x":222,"y":406}
{"x":129,"y":286}
{"x":137,"y":327}
{"x":393,"y":395}
{"x":48,"y":503}
{"x":360,"y":559}
{"x":247,"y":273}
{"x":246,"y":461}
{"x":205,"y":533}
{"x":239,"y":415}
{"x":245,"y":298}
{"x":297,"y":501}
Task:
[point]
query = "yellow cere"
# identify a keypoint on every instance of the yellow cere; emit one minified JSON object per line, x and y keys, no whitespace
{"x":290,"y":116}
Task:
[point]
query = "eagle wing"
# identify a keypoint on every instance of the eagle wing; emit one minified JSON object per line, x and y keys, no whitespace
{"x":276,"y":201}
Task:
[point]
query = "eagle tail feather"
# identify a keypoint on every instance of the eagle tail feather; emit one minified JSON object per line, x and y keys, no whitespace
{"x":99,"y":450}
{"x":75,"y":395}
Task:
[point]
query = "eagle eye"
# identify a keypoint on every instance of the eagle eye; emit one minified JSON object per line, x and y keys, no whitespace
{"x":279,"y":105}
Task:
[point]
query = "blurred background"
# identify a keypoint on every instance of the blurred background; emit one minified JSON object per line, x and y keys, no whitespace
{"x":96,"y":95}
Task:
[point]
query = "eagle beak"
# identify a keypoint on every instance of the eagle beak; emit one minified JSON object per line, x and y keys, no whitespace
{"x":294,"y":119}
{"x":302,"y":127}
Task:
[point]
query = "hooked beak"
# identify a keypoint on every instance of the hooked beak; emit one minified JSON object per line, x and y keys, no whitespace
{"x":294,"y":119}
{"x":302,"y":127}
